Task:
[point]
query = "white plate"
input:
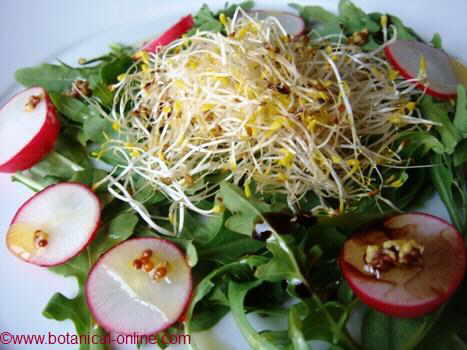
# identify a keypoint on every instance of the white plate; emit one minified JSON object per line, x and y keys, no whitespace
{"x":25,"y":289}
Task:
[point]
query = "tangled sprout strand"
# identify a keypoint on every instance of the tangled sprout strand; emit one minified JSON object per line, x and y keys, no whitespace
{"x":290,"y":116}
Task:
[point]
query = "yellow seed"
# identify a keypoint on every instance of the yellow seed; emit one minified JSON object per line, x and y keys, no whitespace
{"x":177,"y":106}
{"x":422,"y":66}
{"x":242,"y":32}
{"x":192,"y":63}
{"x":223,"y":19}
{"x":218,"y":208}
{"x":122,"y":77}
{"x":393,"y":74}
{"x":148,"y":266}
{"x":411,"y":106}
{"x":116,"y":126}
{"x":232,"y":165}
{"x":326,"y":83}
{"x":336,"y":159}
{"x":396,"y":184}
{"x":288,"y":158}
{"x":247,"y":190}
{"x":179,"y":84}
{"x":143,"y":55}
{"x":166,"y":109}
{"x":384,"y":21}
{"x":161,"y":271}
{"x":135,"y":153}
{"x":207,"y":107}
{"x":311,"y":125}
{"x":282,"y":177}
{"x":396,"y":119}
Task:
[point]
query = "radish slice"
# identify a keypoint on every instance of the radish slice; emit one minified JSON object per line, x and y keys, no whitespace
{"x":141,"y":286}
{"x":175,"y":32}
{"x":460,"y":70}
{"x":422,"y":264}
{"x":405,"y":56}
{"x":28,"y":130}
{"x":54,"y":225}
{"x":292,"y":24}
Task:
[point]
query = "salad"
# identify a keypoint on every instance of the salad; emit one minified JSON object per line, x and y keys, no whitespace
{"x":250,"y":161}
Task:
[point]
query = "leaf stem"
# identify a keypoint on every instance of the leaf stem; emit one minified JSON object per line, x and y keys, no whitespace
{"x":338,"y":330}
{"x":27,"y":181}
{"x":73,"y":166}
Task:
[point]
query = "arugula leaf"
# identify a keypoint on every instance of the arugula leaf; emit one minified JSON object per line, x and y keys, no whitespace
{"x":295,"y":327}
{"x":460,"y":119}
{"x":208,"y":315}
{"x":202,"y":228}
{"x":354,"y":19}
{"x":450,"y":184}
{"x":96,"y":128}
{"x":327,"y":321}
{"x":460,"y":155}
{"x":403,"y":32}
{"x":237,"y":294}
{"x":111,"y":70}
{"x":94,"y":125}
{"x":447,"y":334}
{"x":439,"y":113}
{"x":207,"y":285}
{"x":71,"y":107}
{"x":321,"y":22}
{"x":420,"y":143}
{"x":381,"y":332}
{"x":53,"y":78}
{"x":229,"y":11}
{"x":280,"y":267}
{"x":61,"y":308}
{"x":437,"y":41}
{"x":246,"y":213}
{"x":205,"y":20}
{"x":121,"y":228}
{"x":228,"y":246}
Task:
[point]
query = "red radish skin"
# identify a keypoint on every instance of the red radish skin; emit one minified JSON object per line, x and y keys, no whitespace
{"x":79,"y":249}
{"x":406,"y":75}
{"x":108,"y":326}
{"x":299,"y":23}
{"x":40,"y":145}
{"x":355,"y":278}
{"x":173,"y":33}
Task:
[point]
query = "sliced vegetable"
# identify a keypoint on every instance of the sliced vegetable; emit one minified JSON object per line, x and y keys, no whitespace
{"x":320,"y":22}
{"x":292,"y":24}
{"x":461,"y":71}
{"x":407,"y":266}
{"x":28,"y":130}
{"x":141,"y":286}
{"x":429,"y":67}
{"x":55,"y":225}
{"x":173,"y":33}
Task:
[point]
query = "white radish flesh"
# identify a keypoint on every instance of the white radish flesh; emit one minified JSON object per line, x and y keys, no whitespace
{"x":407,"y":290}
{"x":292,"y":24}
{"x":406,"y":55}
{"x":127,"y":299}
{"x":65,"y":216}
{"x":28,"y":130}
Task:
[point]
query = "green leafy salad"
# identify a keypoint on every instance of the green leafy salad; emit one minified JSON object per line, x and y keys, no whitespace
{"x":251,"y":162}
